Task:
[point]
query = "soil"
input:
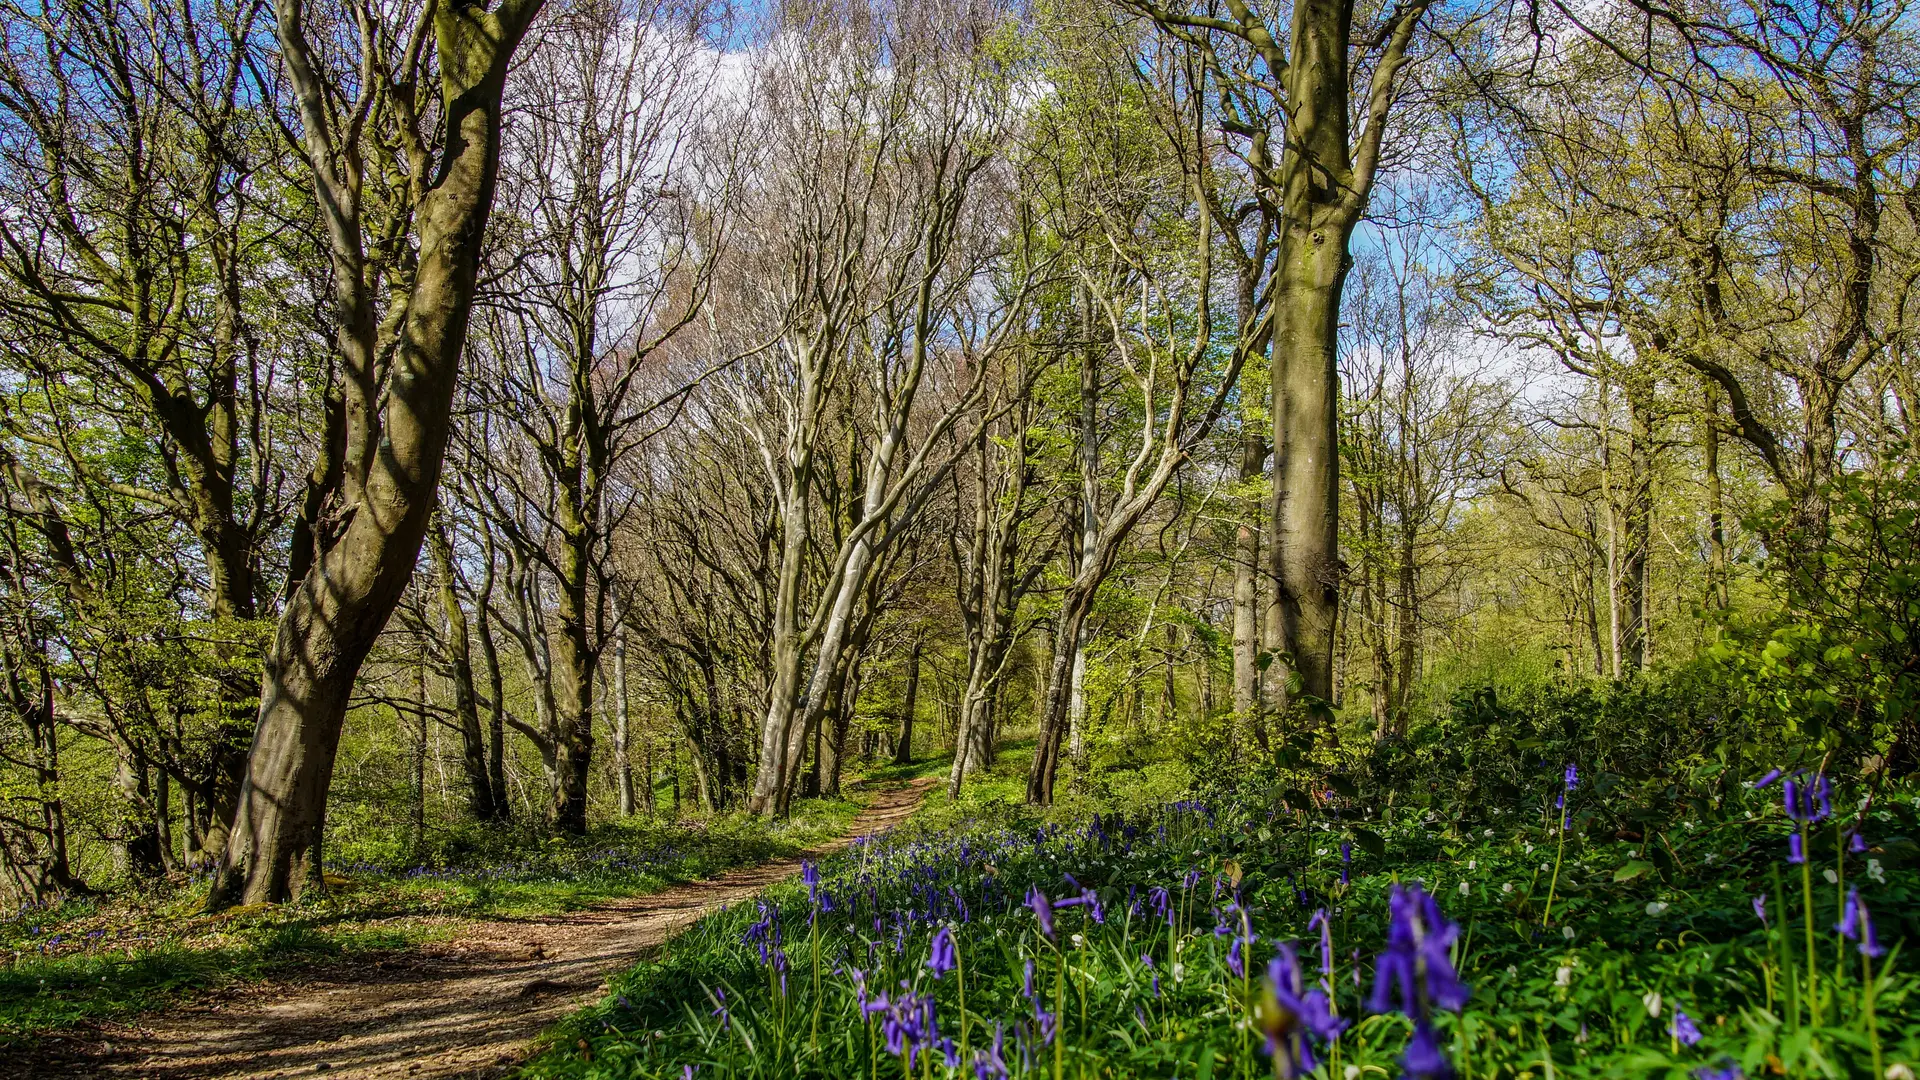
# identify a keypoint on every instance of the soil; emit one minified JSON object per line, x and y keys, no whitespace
{"x":470,"y":1006}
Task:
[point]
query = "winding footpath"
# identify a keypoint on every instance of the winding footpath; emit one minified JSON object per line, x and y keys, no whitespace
{"x":471,"y":1006}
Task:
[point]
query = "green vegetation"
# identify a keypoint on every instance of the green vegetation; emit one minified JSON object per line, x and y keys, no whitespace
{"x":1661,"y":933}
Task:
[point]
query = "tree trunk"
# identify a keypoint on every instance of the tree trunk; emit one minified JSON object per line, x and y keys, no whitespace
{"x":473,"y":747}
{"x":903,"y":750}
{"x":1304,"y":558}
{"x":1637,"y":530}
{"x":1246,"y":596}
{"x":1407,"y":628}
{"x":496,"y":689}
{"x":1053,"y":703}
{"x":622,"y":763}
{"x":139,"y":841}
{"x":1716,"y":513}
{"x":574,"y":663}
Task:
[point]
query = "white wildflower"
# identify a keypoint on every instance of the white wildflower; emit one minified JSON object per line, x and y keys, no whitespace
{"x":1465,"y":889}
{"x":1506,"y":887}
{"x":1876,"y":871}
{"x":1567,"y":932}
{"x":1563,"y":976}
{"x":1832,"y":878}
{"x":1655,"y":907}
{"x":1652,"y":1001}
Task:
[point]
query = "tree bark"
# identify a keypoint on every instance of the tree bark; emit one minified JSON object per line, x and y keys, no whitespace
{"x":1716,"y":512}
{"x":1304,"y":558}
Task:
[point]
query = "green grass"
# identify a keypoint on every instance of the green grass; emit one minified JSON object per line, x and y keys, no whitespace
{"x":122,"y":955}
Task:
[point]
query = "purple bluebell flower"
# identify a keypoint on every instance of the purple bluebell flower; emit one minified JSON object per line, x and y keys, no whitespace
{"x":1796,"y":849}
{"x":1856,"y":924}
{"x":940,"y":958}
{"x":1346,"y":860}
{"x":1424,"y":1059}
{"x":909,"y":1023}
{"x":991,"y":1063}
{"x":1236,"y":962}
{"x":1760,"y":908}
{"x":720,"y":1008}
{"x":1573,"y":776}
{"x":1294,"y":1022}
{"x":1087,"y":899}
{"x":1857,"y":844}
{"x":1728,"y":1069}
{"x":1162,"y":902}
{"x":1416,"y":959}
{"x":1768,"y":779}
{"x":1807,"y":802}
{"x":1683,"y":1028}
{"x":1042,"y":910}
{"x":1325,"y":924}
{"x":1417,"y":963}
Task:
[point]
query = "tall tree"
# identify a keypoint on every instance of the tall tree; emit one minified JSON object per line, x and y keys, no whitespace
{"x":1286,"y":104}
{"x":607,"y":257}
{"x":404,"y":243}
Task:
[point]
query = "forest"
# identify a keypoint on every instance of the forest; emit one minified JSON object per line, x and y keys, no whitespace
{"x":1077,"y":537}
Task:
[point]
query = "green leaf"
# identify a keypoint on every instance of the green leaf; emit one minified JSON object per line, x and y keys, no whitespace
{"x":1369,"y":841}
{"x":1634,"y":868}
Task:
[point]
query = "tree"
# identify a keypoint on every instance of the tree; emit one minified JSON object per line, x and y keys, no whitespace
{"x":1285,"y":104}
{"x":608,"y":256}
{"x":412,"y":237}
{"x":1147,"y":311}
{"x":139,"y":288}
{"x":897,"y":280}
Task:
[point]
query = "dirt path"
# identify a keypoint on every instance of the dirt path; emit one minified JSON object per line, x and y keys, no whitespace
{"x":469,"y":1007}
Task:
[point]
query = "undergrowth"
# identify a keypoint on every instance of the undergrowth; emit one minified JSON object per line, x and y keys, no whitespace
{"x":1242,"y":937}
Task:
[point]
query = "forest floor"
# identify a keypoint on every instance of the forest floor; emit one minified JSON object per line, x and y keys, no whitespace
{"x":470,"y":1005}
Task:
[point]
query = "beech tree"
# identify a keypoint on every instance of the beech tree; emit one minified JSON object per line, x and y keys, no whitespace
{"x":1287,"y":106}
{"x":405,"y":186}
